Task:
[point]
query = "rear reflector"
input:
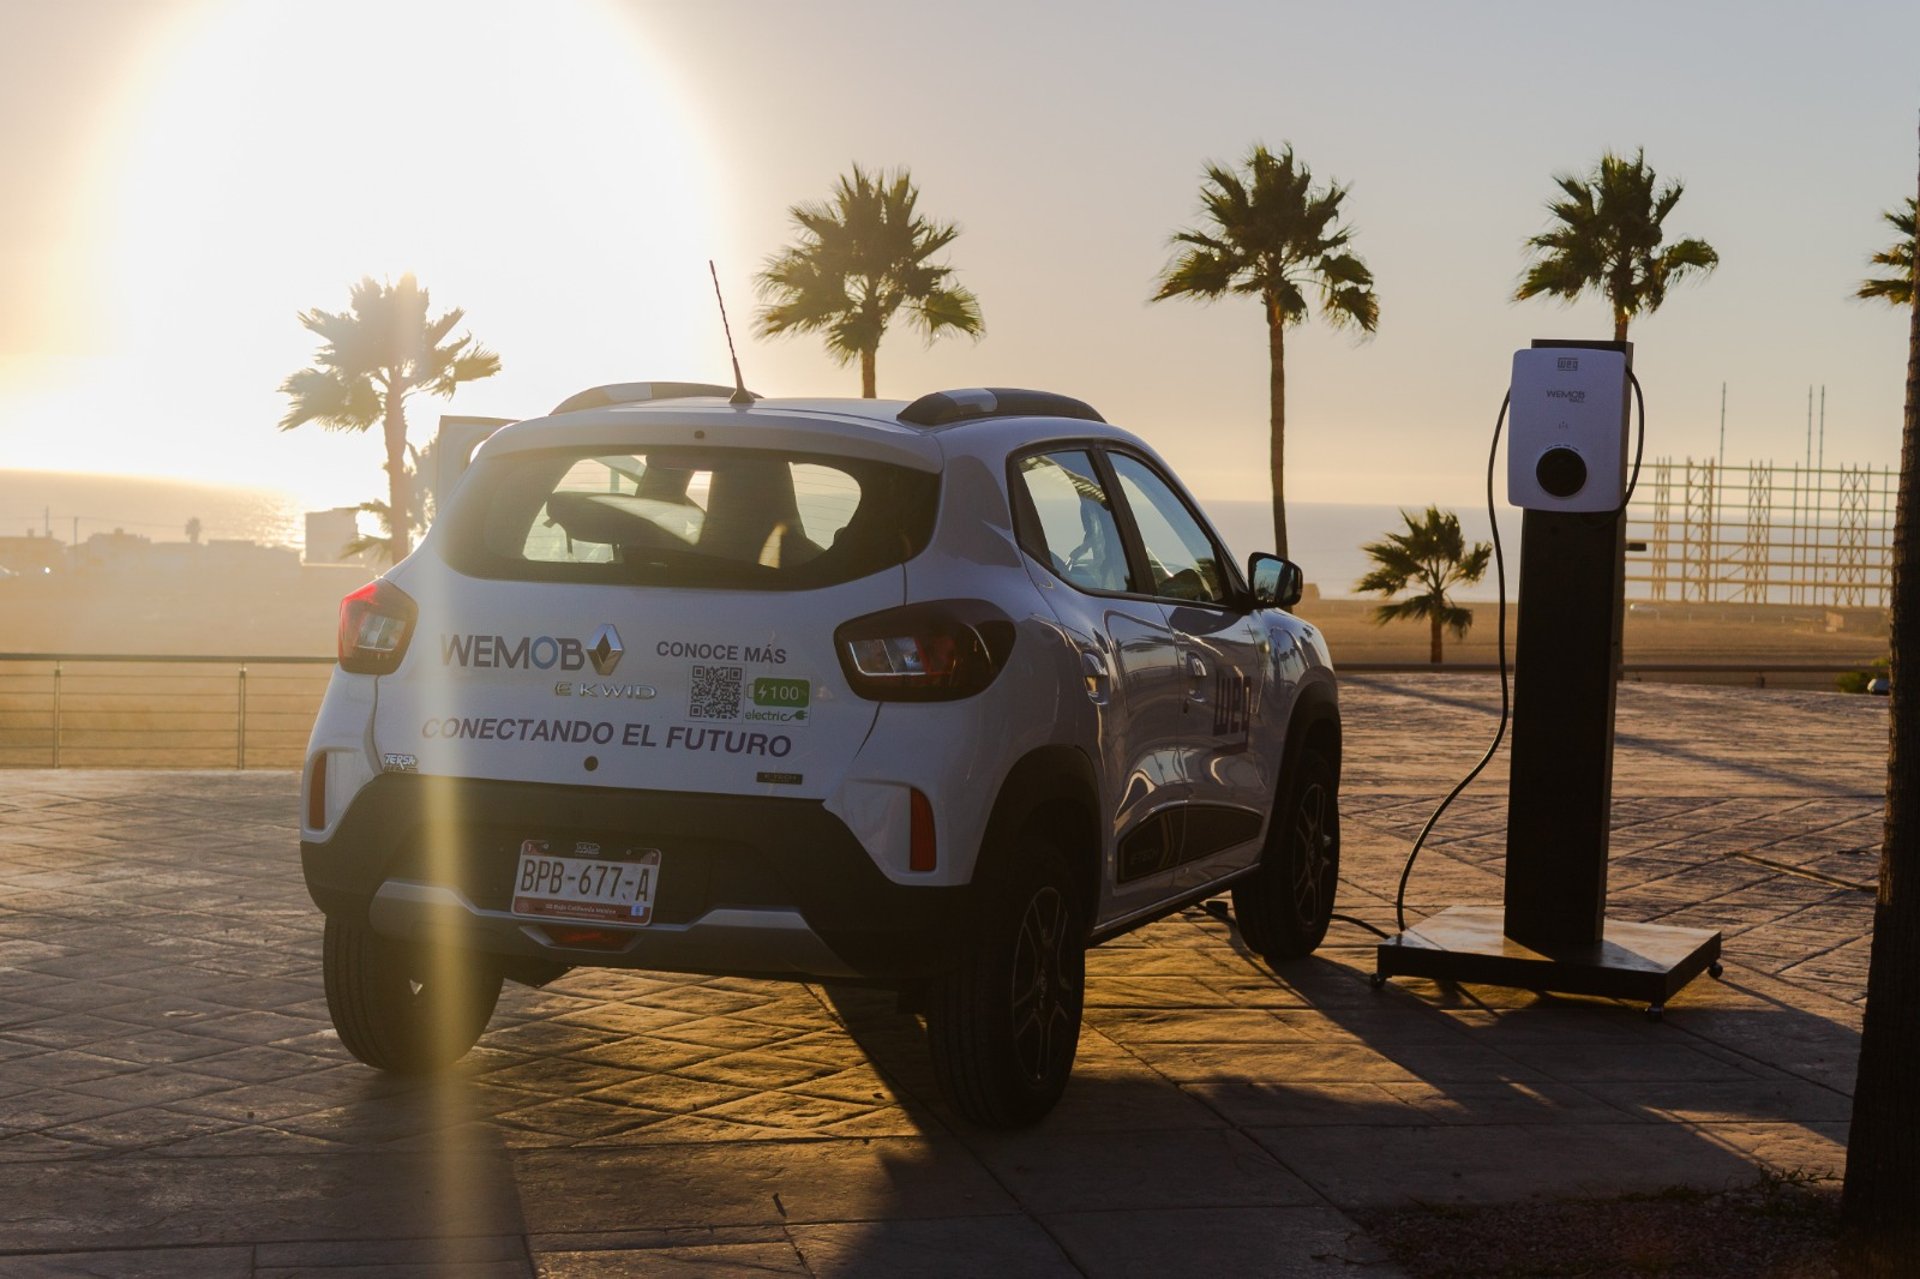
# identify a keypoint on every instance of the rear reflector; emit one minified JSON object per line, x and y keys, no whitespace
{"x":922,"y":850}
{"x":317,"y":793}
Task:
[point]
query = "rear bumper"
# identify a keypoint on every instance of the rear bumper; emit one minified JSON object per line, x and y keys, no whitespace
{"x":749,"y":885}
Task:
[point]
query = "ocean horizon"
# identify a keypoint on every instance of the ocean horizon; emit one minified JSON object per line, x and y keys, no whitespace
{"x":1326,"y":536}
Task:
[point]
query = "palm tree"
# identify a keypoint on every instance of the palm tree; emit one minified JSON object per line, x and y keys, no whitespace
{"x":1607,"y":239}
{"x":372,"y":358}
{"x":1272,"y":234}
{"x":1895,"y":289}
{"x":857,"y":261}
{"x":1883,"y":1168}
{"x":1432,"y":556}
{"x":420,"y":496}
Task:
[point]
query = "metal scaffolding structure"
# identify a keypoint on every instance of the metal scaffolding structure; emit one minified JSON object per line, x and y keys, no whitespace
{"x":1762,"y":534}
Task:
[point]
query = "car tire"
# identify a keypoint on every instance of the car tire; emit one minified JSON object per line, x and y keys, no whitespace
{"x":411,"y":1010}
{"x":1003,"y":1024}
{"x":1283,"y":910}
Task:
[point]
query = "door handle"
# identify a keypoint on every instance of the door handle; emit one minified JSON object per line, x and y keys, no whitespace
{"x":1196,"y":667}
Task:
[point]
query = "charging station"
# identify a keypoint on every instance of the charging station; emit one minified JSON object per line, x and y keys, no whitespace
{"x":1567,"y":469}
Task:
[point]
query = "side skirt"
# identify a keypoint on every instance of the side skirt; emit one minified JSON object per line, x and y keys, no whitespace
{"x":1122,"y":927}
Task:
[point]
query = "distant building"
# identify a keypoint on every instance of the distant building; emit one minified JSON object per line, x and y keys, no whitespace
{"x":115,"y":552}
{"x":32,"y":554}
{"x":329,"y":532}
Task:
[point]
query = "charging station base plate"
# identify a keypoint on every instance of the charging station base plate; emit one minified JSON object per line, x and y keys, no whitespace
{"x":1646,"y":962}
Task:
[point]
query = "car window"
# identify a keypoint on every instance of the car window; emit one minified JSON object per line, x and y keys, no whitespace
{"x":1183,"y":560}
{"x":1078,"y":536}
{"x":693,"y":517}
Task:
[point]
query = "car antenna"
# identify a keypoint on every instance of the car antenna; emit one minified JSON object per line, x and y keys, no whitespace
{"x":741,"y":395}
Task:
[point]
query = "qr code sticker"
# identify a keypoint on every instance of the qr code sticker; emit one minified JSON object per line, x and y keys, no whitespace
{"x":716,"y":692}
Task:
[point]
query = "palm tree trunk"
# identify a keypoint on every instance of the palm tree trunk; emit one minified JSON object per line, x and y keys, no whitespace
{"x":1433,"y":647}
{"x":394,"y":426}
{"x":1619,"y":325}
{"x":1277,"y":422}
{"x":866,"y":373}
{"x":1883,"y":1144}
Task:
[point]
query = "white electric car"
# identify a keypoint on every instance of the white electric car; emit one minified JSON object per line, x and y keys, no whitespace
{"x":930,"y":695}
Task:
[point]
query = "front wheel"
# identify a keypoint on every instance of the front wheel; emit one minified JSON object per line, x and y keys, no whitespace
{"x":1004,"y":1023}
{"x":1284,"y":909}
{"x":407,"y":1009}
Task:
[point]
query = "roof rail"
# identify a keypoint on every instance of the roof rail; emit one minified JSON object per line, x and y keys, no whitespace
{"x":942,"y":408}
{"x":600,"y":397}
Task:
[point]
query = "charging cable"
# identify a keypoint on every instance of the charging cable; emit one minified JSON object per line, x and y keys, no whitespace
{"x":1506,"y":693}
{"x":1640,"y":441}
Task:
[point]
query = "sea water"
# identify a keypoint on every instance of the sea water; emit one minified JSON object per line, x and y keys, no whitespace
{"x":57,"y":502}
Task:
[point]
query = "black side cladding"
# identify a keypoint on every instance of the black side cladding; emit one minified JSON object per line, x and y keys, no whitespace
{"x":943,"y":408}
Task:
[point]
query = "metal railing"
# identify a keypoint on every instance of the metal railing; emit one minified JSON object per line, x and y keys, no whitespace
{"x":144,"y":710}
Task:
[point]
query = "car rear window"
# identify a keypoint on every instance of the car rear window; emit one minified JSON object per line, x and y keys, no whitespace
{"x":740,"y":518}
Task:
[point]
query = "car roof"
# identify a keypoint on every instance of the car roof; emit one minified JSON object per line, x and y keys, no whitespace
{"x":869,"y":429}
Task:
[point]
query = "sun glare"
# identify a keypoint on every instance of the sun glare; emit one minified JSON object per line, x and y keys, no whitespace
{"x":527,"y":163}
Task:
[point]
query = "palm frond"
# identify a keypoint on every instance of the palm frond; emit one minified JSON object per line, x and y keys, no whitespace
{"x":856,"y":260}
{"x":941,"y":309}
{"x":1605,"y":236}
{"x":1199,"y":272}
{"x":1431,"y":557}
{"x":1895,"y":289}
{"x":331,"y":398}
{"x":1268,"y":231}
{"x":1417,"y":606}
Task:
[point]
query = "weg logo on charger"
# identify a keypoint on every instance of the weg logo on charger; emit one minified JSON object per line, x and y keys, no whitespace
{"x":779,"y":701}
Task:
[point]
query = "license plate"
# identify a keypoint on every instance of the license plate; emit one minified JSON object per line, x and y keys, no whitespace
{"x":550,"y":884}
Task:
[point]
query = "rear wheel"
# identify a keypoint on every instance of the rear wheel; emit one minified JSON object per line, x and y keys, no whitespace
{"x":407,"y":1009}
{"x":1284,"y":909}
{"x":1004,"y":1023}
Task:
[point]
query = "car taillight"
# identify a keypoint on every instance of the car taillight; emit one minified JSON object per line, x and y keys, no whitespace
{"x":376,"y":622}
{"x":925,"y":652}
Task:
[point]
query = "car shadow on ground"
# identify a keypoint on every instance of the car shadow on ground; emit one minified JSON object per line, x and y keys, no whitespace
{"x":1424,"y":1092}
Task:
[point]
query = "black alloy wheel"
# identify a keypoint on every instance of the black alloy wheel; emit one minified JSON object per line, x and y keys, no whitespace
{"x":1045,"y":987}
{"x":1283,"y":911}
{"x":1003,"y":1024}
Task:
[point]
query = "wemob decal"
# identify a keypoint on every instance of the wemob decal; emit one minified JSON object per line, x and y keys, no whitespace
{"x":679,"y":738}
{"x":528,"y":652}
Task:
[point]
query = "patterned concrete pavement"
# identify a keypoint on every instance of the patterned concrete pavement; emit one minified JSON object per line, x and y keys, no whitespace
{"x":173,"y":1101}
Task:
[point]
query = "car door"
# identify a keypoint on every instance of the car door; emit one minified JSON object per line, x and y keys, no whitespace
{"x":1223,"y":658}
{"x":1131,"y":663}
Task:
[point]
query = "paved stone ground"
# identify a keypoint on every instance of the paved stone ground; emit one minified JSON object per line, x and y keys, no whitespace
{"x":173,"y":1101}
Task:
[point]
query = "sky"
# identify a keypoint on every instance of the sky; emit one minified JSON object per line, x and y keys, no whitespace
{"x":186,"y":176}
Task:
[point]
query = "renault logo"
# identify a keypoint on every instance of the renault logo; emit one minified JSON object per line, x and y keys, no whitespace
{"x":604,"y":649}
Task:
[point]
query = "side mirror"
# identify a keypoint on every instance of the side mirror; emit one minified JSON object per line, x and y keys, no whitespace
{"x":1277,"y":583}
